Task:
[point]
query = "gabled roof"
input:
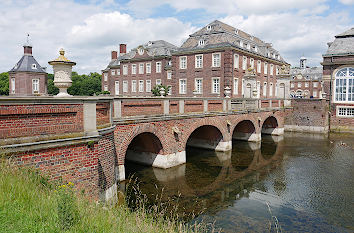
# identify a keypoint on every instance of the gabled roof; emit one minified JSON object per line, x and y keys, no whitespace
{"x":218,"y":34}
{"x":311,"y":73}
{"x":349,"y":33}
{"x":27,"y":64}
{"x":342,"y":44}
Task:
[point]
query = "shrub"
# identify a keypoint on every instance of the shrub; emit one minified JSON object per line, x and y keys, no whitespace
{"x":68,"y":213}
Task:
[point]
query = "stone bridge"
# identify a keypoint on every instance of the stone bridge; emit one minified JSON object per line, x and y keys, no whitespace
{"x":86,"y":140}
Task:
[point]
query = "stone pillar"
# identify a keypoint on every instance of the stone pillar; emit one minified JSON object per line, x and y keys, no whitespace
{"x":181,"y":106}
{"x":205,"y":105}
{"x":166,"y":107}
{"x":120,"y":172}
{"x":89,"y":115}
{"x":117,"y":105}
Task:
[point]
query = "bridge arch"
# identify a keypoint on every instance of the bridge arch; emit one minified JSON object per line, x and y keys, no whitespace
{"x":246,"y":130}
{"x":271,"y":125}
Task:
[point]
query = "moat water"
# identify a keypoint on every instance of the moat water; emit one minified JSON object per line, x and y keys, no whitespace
{"x":297,"y":183}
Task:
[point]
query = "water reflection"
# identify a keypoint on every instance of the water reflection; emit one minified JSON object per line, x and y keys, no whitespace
{"x":298,"y":175}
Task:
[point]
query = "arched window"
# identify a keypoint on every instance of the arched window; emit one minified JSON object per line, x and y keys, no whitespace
{"x":344,"y":85}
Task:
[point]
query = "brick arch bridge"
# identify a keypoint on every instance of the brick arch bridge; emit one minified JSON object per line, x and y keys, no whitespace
{"x":162,"y":142}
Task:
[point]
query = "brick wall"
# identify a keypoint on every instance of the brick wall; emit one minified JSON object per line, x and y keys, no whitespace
{"x":102,"y":113}
{"x":38,"y":119}
{"x":138,"y":108}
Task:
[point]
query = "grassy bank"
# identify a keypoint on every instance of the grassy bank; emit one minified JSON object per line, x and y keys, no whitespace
{"x":29,"y":203}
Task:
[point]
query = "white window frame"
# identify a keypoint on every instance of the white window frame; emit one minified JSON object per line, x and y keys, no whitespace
{"x":141,"y":85}
{"x":113,"y":72}
{"x":343,"y":111}
{"x":125,"y":69}
{"x":314,"y":93}
{"x":13,"y":85}
{"x":148,"y":85}
{"x":199,"y":61}
{"x":105,"y":87}
{"x":158,"y":67}
{"x":236,"y":61}
{"x":306,"y":84}
{"x":169,"y":74}
{"x":271,"y":89}
{"x":133,"y":68}
{"x":299,"y":85}
{"x":271,"y":69}
{"x":292,"y":85}
{"x":158,"y":82}
{"x":252,"y":63}
{"x":133,"y":86}
{"x":215,"y":86}
{"x":125,"y":86}
{"x":265,"y":89}
{"x":105,"y":77}
{"x":118,"y":72}
{"x":169,"y":90}
{"x":183,"y":62}
{"x":182,"y":87}
{"x":235,"y":86}
{"x":244,"y":63}
{"x":265,"y":67}
{"x":259,"y":66}
{"x":116,"y":87}
{"x":315,"y":84}
{"x":198,"y":85}
{"x":216,"y":62}
{"x":35,"y":85}
{"x":148,"y":68}
{"x":141,"y":68}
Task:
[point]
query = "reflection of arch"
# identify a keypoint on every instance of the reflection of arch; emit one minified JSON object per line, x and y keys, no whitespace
{"x":245,"y":130}
{"x":144,"y":148}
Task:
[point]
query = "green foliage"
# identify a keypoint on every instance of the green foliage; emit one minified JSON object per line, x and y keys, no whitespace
{"x":85,"y":85}
{"x":4,"y":83}
{"x":52,"y":90}
{"x":68,"y":213}
{"x":156,"y":90}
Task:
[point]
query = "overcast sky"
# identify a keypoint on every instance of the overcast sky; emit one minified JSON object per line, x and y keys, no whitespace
{"x":89,"y":29}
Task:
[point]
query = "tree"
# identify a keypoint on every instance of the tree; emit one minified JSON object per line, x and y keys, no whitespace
{"x":4,"y":83}
{"x":52,"y":90}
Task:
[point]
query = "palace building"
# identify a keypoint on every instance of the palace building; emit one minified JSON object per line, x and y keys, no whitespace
{"x":216,"y":61}
{"x":27,"y":77}
{"x":306,"y":82}
{"x":338,"y":80}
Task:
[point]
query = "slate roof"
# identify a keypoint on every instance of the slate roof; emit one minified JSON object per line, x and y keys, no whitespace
{"x":342,"y":44}
{"x":219,"y":34}
{"x":25,"y":65}
{"x":311,"y":73}
{"x":155,"y":48}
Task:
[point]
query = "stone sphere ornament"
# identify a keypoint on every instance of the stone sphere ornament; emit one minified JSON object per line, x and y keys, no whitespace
{"x":62,"y":68}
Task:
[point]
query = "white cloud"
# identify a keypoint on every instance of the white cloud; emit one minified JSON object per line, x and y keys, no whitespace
{"x":347,"y":2}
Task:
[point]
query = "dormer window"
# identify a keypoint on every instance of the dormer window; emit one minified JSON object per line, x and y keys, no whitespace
{"x":248,"y":46}
{"x":241,"y":43}
{"x":141,"y":51}
{"x":201,"y":42}
{"x":34,"y":66}
{"x":236,"y":31}
{"x":255,"y":48}
{"x":209,"y":27}
{"x":149,"y":43}
{"x":251,"y":37}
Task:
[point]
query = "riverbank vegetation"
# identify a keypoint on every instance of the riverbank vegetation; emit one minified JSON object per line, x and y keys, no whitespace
{"x":29,"y":202}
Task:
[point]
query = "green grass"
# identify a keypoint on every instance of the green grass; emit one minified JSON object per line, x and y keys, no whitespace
{"x":30,"y":203}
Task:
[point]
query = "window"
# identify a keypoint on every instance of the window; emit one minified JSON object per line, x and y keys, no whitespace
{"x":258,"y":89}
{"x":243,"y":85}
{"x":199,"y":61}
{"x":241,"y":43}
{"x":276,"y":90}
{"x":169,"y":90}
{"x":248,"y":46}
{"x":252,"y":63}
{"x":315,"y":84}
{"x":125,"y":86}
{"x":198,"y":86}
{"x":105,"y":77}
{"x":116,"y":87}
{"x":298,"y":84}
{"x":314,"y":94}
{"x":244,"y":63}
{"x":133,"y":68}
{"x":183,"y":62}
{"x":118,"y":72}
{"x":236,"y":61}
{"x":133,"y":85}
{"x":235,"y":86}
{"x":169,"y":74}
{"x":148,"y":68}
{"x":216,"y":60}
{"x":13,"y":83}
{"x":345,"y":111}
{"x":271,"y":69}
{"x":141,"y":51}
{"x":105,"y":87}
{"x":158,"y":67}
{"x":276,"y":70}
{"x":215,"y":88}
{"x":209,"y":27}
{"x":259,"y":66}
{"x":344,"y":85}
{"x":265,"y":89}
{"x":292,"y":85}
{"x":148,"y":85}
{"x":141,"y":68}
{"x":255,"y":48}
{"x":271,"y":89}
{"x":35,"y":85}
{"x":113,"y":72}
{"x":182,"y":86}
{"x":201,"y":42}
{"x":141,"y":85}
{"x":34,"y":66}
{"x":158,"y":81}
{"x":265,"y":67}
{"x":125,"y":69}
{"x":306,"y":84}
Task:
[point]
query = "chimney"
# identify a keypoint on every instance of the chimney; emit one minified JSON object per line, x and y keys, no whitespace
{"x":27,"y":50}
{"x":114,"y":55}
{"x":122,"y":49}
